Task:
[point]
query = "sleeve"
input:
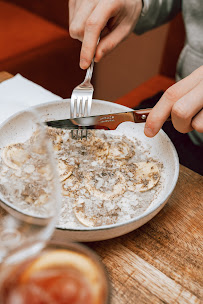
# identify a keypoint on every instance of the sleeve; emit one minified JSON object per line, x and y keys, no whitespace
{"x":155,"y":13}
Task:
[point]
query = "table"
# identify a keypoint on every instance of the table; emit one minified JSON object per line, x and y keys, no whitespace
{"x":161,"y":262}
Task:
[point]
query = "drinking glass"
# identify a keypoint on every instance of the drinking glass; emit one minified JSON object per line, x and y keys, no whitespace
{"x":29,"y":185}
{"x":58,"y":274}
{"x":32,"y":269}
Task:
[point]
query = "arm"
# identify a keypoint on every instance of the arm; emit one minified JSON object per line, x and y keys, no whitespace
{"x":155,"y":13}
{"x":184,"y":100}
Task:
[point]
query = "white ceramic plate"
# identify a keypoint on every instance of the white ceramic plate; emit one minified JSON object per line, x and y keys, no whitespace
{"x":160,"y":147}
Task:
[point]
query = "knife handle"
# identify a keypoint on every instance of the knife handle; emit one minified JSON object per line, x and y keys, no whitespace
{"x":141,"y":115}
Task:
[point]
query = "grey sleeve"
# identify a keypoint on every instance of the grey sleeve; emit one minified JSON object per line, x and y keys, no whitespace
{"x":155,"y":13}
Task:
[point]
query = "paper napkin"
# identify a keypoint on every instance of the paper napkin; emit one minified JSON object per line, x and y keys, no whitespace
{"x":19,"y":93}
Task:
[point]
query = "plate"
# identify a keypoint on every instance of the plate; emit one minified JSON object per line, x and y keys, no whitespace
{"x":160,"y":147}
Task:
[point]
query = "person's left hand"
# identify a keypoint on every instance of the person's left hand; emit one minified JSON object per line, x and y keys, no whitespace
{"x":184,"y":102}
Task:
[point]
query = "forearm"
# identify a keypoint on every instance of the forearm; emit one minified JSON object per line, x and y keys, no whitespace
{"x":156,"y":12}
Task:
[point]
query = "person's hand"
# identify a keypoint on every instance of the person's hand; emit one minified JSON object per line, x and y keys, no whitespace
{"x":184,"y":102}
{"x":113,"y":20}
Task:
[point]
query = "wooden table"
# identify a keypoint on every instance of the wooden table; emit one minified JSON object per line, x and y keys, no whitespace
{"x":161,"y":262}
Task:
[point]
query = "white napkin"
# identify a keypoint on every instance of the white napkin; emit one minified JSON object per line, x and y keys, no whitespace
{"x":19,"y":93}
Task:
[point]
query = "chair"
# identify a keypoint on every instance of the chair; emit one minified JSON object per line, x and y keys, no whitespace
{"x":35,"y":42}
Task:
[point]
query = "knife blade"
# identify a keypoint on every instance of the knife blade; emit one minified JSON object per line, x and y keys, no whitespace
{"x":106,"y":122}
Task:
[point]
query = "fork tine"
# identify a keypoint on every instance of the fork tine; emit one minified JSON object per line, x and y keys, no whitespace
{"x":84,"y":133}
{"x":89,"y":105}
{"x":72,"y":106}
{"x":81,"y":134}
{"x":78,"y":107}
{"x":83,"y":106}
{"x":81,"y":101}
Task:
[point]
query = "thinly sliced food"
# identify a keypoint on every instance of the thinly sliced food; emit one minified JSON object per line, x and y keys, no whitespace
{"x":70,"y":186}
{"x":120,"y":148}
{"x":93,"y":146}
{"x":141,"y":177}
{"x":14,"y":156}
{"x":93,"y":213}
{"x":105,"y":183}
{"x":65,"y":170}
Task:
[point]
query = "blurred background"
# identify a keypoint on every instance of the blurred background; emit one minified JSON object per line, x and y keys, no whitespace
{"x":35,"y":42}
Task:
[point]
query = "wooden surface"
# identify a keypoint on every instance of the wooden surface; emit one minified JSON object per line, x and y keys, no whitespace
{"x":161,"y":262}
{"x":5,"y":76}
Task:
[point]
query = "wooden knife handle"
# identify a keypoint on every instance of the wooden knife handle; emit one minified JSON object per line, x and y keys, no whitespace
{"x":141,"y":115}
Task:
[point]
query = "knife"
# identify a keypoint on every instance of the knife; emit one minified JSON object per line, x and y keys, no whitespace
{"x":107,"y":121}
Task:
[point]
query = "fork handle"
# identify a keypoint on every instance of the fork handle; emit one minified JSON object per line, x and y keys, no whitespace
{"x":89,"y":72}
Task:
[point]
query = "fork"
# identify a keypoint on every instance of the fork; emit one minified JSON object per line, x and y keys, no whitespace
{"x":81,"y":101}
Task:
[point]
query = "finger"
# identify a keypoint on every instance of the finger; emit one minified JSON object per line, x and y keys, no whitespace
{"x":119,"y":28}
{"x":186,"y":108}
{"x":197,"y":122}
{"x":71,"y":9}
{"x":82,"y":12}
{"x":162,"y":109}
{"x":94,"y":25}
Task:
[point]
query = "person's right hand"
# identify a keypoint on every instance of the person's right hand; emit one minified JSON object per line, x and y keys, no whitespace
{"x":113,"y":20}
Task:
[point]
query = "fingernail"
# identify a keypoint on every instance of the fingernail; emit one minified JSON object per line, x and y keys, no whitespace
{"x":83,"y":64}
{"x":148,"y":132}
